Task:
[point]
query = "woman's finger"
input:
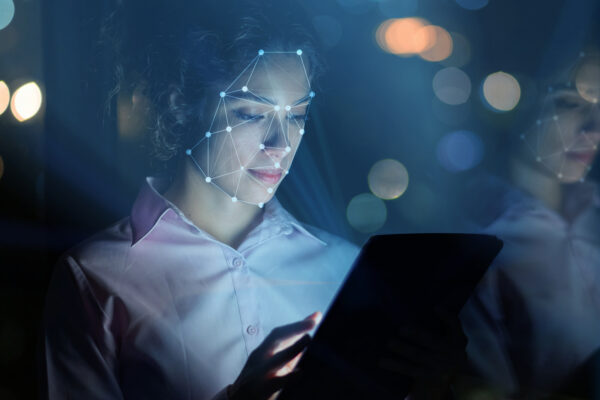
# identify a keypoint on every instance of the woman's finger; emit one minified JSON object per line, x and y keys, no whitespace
{"x":282,"y":357}
{"x":276,"y":383}
{"x":281,"y":333}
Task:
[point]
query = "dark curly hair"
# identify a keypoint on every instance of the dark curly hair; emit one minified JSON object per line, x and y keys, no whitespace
{"x":181,"y":51}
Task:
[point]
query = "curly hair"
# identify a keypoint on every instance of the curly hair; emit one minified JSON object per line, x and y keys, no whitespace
{"x":183,"y":51}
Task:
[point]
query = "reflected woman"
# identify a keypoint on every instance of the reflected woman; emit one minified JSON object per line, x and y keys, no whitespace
{"x":535,"y":320}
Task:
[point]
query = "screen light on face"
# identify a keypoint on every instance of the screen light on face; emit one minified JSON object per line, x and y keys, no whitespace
{"x":256,"y":128}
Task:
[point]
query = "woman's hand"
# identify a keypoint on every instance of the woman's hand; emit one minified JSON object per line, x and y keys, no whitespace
{"x":262,"y":376}
{"x":432,"y":358}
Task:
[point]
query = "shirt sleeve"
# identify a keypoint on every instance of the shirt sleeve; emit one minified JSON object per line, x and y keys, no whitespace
{"x":78,"y":357}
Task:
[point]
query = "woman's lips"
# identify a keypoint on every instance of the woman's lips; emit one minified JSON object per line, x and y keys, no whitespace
{"x":582,"y":156}
{"x":270,"y":177}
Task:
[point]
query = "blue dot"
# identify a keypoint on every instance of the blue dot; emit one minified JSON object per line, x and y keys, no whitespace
{"x":299,"y":52}
{"x":312,"y":94}
{"x":261,"y":52}
{"x":222,"y":94}
{"x":188,"y":152}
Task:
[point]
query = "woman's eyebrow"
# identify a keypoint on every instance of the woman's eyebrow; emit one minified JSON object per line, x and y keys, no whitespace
{"x":252,"y":97}
{"x":249,"y":96}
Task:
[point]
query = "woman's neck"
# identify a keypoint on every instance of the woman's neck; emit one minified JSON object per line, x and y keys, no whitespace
{"x":210,"y":209}
{"x":530,"y":179}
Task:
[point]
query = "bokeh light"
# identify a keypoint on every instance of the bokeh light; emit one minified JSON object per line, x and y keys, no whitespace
{"x":7,"y":12}
{"x":26,"y":101}
{"x":461,"y":51}
{"x":452,"y":86}
{"x":587,"y":81}
{"x":472,"y":4}
{"x":459,"y":151}
{"x":366,"y":213}
{"x":399,"y":36}
{"x":388,"y":179}
{"x":396,"y":8}
{"x":501,"y":91}
{"x":438,"y":40}
{"x":328,"y":28}
{"x":4,"y":97}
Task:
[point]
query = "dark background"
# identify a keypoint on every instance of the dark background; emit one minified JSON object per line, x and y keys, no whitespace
{"x":74,"y":168}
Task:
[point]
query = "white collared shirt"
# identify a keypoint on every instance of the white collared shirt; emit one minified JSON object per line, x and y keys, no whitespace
{"x":155,"y":308}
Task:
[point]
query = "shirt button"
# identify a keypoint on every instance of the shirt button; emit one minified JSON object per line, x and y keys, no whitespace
{"x":237,"y":262}
{"x":251,"y":329}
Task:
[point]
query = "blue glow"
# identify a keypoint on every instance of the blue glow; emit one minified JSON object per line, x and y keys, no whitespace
{"x":460,"y":151}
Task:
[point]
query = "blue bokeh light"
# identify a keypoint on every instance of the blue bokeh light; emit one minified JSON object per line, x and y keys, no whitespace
{"x":460,"y":151}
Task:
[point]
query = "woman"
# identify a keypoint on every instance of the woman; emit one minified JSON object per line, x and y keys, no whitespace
{"x":535,"y":319}
{"x":195,"y":294}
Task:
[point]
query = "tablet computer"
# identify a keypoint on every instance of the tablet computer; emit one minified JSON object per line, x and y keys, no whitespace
{"x":396,"y":280}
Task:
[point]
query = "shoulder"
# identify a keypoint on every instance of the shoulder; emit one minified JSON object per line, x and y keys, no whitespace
{"x":98,"y":261}
{"x":107,"y":249}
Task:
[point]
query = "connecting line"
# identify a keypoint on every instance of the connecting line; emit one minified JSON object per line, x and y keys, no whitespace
{"x":235,"y":148}
{"x":241,"y":73}
{"x":208,"y":156}
{"x":198,"y":166}
{"x":225,"y":108}
{"x":253,"y":68}
{"x":215,"y":115}
{"x":304,"y":68}
{"x":248,"y":100}
{"x":267,"y":101}
{"x":268,"y":128}
{"x":251,"y":158}
{"x":197,"y":143}
{"x":224,"y":175}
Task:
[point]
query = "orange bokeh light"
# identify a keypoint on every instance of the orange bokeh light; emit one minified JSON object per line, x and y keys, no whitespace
{"x":414,"y":36}
{"x":398,"y":36}
{"x":441,"y":43}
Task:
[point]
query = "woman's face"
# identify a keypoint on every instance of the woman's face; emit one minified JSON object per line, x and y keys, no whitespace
{"x":256,"y":128}
{"x":566,"y":136}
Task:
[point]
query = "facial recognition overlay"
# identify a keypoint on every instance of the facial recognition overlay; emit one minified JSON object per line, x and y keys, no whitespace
{"x":256,"y":128}
{"x":566,"y":136}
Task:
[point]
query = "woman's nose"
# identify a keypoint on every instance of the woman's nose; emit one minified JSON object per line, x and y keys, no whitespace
{"x":276,"y":154}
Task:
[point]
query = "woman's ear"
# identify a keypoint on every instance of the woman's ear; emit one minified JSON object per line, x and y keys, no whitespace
{"x":177,"y":104}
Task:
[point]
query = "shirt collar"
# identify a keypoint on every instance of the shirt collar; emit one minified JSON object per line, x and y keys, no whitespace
{"x":150,"y":206}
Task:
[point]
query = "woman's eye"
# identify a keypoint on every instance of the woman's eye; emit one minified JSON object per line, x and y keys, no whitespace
{"x":247,"y":116}
{"x":566,"y":104}
{"x":298,"y":117}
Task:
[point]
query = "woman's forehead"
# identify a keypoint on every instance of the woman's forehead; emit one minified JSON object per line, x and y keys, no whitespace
{"x":273,"y":77}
